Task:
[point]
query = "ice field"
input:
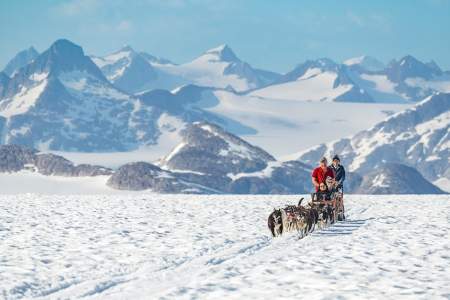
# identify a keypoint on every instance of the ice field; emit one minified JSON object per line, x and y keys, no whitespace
{"x":145,"y":246}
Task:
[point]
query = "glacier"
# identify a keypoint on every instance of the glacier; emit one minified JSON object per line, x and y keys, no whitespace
{"x":149,"y":246}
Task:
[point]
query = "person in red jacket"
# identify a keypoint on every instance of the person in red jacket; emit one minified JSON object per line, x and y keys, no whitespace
{"x":320,"y":174}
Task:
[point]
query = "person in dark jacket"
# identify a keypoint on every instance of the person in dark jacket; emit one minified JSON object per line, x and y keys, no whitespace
{"x":339,"y":172}
{"x":339,"y":175}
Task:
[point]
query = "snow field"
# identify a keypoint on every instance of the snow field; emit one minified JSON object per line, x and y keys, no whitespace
{"x":218,"y":247}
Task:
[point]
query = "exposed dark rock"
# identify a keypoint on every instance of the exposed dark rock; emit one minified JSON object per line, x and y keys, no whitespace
{"x":396,"y":179}
{"x":14,"y":158}
{"x":144,"y":176}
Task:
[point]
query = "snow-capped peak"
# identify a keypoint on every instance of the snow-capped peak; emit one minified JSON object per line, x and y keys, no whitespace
{"x":126,"y":52}
{"x":155,"y":59}
{"x":223,"y":53}
{"x":63,"y":56}
{"x":410,"y":67}
{"x":369,"y":63}
{"x":127,"y":69}
{"x":411,"y":62}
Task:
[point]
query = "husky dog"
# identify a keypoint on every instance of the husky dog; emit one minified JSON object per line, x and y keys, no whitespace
{"x":275,"y":222}
{"x":293,"y":217}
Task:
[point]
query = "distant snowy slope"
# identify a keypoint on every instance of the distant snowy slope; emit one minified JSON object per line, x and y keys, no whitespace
{"x":279,"y":127}
{"x":220,"y":67}
{"x":155,"y":59}
{"x":418,"y":137}
{"x":134,"y":72}
{"x":283,"y":127}
{"x":126,"y":69}
{"x":367,"y":63}
{"x":360,"y":79}
{"x":316,"y":80}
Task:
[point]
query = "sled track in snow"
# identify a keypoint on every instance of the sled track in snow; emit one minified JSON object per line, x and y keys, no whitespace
{"x":340,"y":228}
{"x":210,"y":247}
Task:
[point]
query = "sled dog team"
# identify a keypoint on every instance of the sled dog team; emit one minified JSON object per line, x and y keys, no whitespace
{"x":325,"y":207}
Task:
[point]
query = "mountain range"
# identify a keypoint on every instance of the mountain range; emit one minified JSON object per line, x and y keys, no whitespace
{"x":362,"y":79}
{"x":62,"y":99}
{"x":210,"y":160}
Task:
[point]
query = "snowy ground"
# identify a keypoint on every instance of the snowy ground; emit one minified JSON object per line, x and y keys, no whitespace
{"x":218,"y":247}
{"x":31,"y":182}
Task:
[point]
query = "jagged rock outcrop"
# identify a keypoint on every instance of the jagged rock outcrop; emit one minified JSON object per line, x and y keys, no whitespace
{"x":145,"y":176}
{"x":396,"y":179}
{"x":50,"y":164}
{"x":15,"y":158}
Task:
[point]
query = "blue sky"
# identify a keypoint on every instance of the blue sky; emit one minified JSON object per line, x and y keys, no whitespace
{"x":274,"y":35}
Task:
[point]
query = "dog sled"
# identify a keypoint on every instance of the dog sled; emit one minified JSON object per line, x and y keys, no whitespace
{"x":305,"y":219}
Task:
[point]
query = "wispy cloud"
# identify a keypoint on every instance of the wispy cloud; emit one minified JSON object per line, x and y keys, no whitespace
{"x":109,"y":18}
{"x":373,"y":20}
{"x":77,"y":7}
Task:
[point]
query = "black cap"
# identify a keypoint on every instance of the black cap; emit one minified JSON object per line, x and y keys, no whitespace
{"x":336,"y":157}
